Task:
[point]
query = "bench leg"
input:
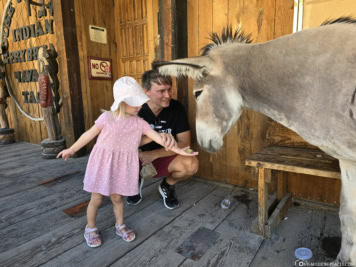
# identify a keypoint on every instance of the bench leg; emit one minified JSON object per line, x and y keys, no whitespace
{"x":281,"y":185}
{"x":264,"y":177}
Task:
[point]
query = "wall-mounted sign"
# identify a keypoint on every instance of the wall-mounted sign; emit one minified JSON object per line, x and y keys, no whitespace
{"x":99,"y":68}
{"x":97,"y":34}
{"x":27,"y":26}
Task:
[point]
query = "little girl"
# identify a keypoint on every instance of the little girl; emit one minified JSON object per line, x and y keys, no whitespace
{"x":113,"y":165}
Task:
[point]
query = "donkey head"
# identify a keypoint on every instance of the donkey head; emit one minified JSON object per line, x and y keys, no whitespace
{"x":218,"y":100}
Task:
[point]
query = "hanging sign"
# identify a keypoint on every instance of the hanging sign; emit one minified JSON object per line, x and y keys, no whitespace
{"x":99,"y":68}
{"x":98,"y":34}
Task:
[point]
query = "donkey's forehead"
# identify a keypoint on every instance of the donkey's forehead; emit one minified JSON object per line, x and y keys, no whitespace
{"x":205,"y":83}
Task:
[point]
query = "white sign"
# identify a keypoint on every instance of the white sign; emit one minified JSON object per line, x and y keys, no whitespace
{"x":99,"y":68}
{"x":97,"y":34}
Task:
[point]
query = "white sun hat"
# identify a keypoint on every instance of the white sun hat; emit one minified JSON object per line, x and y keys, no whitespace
{"x":128,"y":90}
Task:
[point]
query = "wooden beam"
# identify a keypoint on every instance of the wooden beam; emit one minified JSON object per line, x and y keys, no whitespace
{"x":262,"y":201}
{"x":72,"y":117}
{"x":277,"y":215}
{"x":180,"y":45}
{"x":281,"y":185}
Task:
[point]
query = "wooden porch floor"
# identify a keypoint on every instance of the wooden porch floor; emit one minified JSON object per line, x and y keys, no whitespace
{"x":42,"y":222}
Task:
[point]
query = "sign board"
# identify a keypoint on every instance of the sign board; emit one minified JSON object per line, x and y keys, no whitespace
{"x":97,"y":34}
{"x":99,"y":68}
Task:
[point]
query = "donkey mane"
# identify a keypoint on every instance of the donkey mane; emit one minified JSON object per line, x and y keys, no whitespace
{"x":347,"y":19}
{"x":227,"y":36}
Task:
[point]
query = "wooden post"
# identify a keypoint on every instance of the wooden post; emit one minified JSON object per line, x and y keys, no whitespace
{"x":4,"y":123}
{"x":72,"y":122}
{"x":281,"y":185}
{"x":263,"y":198}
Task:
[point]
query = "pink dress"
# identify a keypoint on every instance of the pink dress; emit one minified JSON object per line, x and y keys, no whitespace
{"x":113,"y":165}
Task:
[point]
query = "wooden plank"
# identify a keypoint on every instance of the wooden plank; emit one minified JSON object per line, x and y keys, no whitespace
{"x":281,"y":185}
{"x":83,"y":37}
{"x":28,"y":180}
{"x":296,"y":160}
{"x":151,"y":17}
{"x":60,"y":197}
{"x":20,"y":155}
{"x":291,"y":234}
{"x":199,"y":28}
{"x":262,"y":201}
{"x":279,"y":135}
{"x":37,"y":192}
{"x":67,"y":234}
{"x":237,"y":246}
{"x":305,"y":170}
{"x":17,"y":150}
{"x":233,"y":157}
{"x":295,"y":154}
{"x":10,"y":147}
{"x":220,"y":19}
{"x":72,"y":118}
{"x":27,"y":161}
{"x":277,"y":215}
{"x":196,"y":217}
{"x":55,"y":179}
{"x":40,"y":164}
{"x":156,"y":216}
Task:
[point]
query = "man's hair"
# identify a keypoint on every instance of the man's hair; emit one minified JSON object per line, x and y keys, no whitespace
{"x":153,"y":76}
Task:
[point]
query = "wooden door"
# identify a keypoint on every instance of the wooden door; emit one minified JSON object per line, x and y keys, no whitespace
{"x":133,"y":20}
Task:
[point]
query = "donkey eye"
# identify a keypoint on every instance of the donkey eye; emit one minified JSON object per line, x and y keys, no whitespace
{"x":197,"y":93}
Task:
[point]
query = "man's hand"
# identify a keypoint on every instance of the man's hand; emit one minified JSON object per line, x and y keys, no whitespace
{"x":147,"y":157}
{"x":168,"y":141}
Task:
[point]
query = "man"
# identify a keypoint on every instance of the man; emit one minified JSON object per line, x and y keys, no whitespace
{"x":165,"y":115}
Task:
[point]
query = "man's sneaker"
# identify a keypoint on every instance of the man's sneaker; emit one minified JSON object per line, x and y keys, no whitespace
{"x":168,"y":194}
{"x":134,"y":200}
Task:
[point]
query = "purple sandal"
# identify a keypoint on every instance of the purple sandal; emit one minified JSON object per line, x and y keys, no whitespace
{"x":126,"y":234}
{"x":92,"y":237}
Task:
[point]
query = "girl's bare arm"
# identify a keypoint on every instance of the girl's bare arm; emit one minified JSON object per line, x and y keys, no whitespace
{"x":84,"y":139}
{"x":158,"y":139}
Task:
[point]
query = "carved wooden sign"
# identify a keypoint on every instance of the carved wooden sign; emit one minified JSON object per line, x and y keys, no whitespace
{"x":24,"y":23}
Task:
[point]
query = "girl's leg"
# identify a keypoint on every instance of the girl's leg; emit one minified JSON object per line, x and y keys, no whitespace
{"x":92,"y":209}
{"x":91,"y":233}
{"x":118,"y":206}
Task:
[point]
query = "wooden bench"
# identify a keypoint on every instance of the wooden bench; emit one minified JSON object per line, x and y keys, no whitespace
{"x":285,"y":159}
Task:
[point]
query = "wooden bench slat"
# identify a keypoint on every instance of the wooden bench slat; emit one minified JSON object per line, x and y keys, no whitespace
{"x":298,"y":160}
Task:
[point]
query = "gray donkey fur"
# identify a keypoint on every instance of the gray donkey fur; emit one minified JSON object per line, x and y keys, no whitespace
{"x":305,"y":81}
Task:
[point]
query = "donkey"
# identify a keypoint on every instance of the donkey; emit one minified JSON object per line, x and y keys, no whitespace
{"x":306,"y":81}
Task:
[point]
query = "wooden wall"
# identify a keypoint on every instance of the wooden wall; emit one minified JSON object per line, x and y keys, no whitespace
{"x":96,"y":94}
{"x":266,"y":20}
{"x":315,"y":12}
{"x":316,"y":188}
{"x":25,"y":129}
{"x":136,"y":34}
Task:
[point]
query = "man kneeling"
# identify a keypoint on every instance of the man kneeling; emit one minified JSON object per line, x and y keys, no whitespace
{"x":165,"y":115}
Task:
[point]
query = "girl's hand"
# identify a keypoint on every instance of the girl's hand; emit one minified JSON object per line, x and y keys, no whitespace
{"x":186,"y":151}
{"x":66,"y":153}
{"x":168,"y":141}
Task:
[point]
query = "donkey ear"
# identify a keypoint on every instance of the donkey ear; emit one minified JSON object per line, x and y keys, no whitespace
{"x":194,"y":67}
